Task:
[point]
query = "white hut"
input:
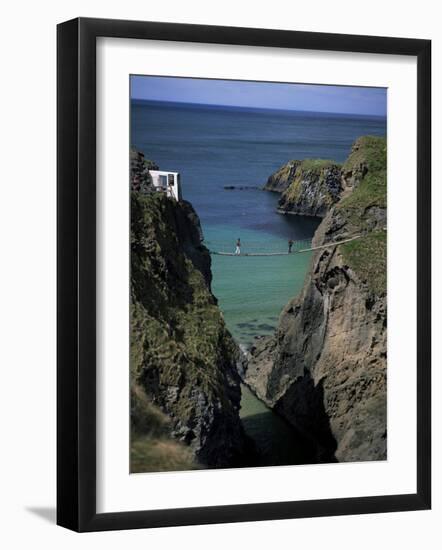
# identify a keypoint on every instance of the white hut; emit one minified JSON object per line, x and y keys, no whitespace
{"x":167,"y":182}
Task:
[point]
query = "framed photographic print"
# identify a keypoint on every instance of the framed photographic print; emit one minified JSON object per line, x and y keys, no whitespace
{"x":243,"y":274}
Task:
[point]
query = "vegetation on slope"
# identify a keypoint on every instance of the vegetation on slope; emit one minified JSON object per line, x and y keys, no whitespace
{"x":368,"y":258}
{"x":367,"y":165}
{"x":177,"y":328}
{"x":317,"y":165}
{"x":364,"y":211}
{"x":152,"y":449}
{"x":182,"y":355}
{"x":325,"y":368}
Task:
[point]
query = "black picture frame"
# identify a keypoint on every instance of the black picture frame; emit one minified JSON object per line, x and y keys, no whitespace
{"x":76,"y":273}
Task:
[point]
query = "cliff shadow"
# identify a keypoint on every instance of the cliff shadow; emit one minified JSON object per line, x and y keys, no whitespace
{"x":303,"y":406}
{"x":277,"y":442}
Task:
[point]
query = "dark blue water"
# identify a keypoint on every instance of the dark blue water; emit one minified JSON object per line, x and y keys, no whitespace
{"x":213,"y":147}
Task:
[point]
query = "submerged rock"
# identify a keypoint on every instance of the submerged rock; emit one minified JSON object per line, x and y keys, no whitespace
{"x":241,"y":187}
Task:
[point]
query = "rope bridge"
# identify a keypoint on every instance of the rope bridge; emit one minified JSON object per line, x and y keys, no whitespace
{"x":258,"y":249}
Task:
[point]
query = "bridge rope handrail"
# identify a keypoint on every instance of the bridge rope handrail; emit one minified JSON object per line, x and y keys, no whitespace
{"x":250,"y":246}
{"x":249,"y":253}
{"x":286,"y":252}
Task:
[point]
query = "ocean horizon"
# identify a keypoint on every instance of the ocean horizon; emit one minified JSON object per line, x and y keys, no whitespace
{"x":216,"y":106}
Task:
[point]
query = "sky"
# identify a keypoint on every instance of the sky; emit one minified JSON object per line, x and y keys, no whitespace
{"x":264,"y":95}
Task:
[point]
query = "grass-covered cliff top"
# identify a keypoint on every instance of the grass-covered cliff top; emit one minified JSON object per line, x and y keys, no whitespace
{"x":368,"y":150}
{"x":365,"y":211}
{"x":367,"y":166}
{"x":317,"y":165}
{"x":309,"y":164}
{"x":314,"y":185}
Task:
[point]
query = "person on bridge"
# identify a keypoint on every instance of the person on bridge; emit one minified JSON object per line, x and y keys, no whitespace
{"x":238,"y":247}
{"x":290,"y":245}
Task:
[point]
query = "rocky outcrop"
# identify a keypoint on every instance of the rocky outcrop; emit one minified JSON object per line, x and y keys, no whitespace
{"x":325,"y":368}
{"x":308,"y":187}
{"x":182,"y":356}
{"x":282,"y":178}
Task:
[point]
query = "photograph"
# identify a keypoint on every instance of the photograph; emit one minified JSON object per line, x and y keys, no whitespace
{"x":258,"y":276}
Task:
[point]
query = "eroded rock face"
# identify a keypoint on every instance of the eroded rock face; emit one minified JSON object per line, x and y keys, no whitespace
{"x":182,"y":355}
{"x":325,"y":369}
{"x":282,"y":178}
{"x":308,"y":187}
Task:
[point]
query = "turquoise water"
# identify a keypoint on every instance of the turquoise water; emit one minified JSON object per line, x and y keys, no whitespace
{"x":213,"y":147}
{"x":253,"y":290}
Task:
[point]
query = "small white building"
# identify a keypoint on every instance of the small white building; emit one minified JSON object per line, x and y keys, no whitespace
{"x":167,"y":182}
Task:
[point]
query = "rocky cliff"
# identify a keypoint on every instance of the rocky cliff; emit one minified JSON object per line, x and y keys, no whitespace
{"x":140,"y":179}
{"x":183,"y":359}
{"x":308,"y":187}
{"x":325,"y":368}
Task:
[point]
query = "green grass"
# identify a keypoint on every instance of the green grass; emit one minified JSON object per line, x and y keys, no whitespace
{"x":372,"y":191}
{"x":159,"y":455}
{"x":146,"y":418}
{"x":368,"y":162}
{"x":367,"y":257}
{"x":368,"y":150}
{"x":151,"y":447}
{"x":317,"y":164}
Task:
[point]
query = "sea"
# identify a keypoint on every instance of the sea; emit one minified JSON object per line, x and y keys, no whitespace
{"x":214,"y":147}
